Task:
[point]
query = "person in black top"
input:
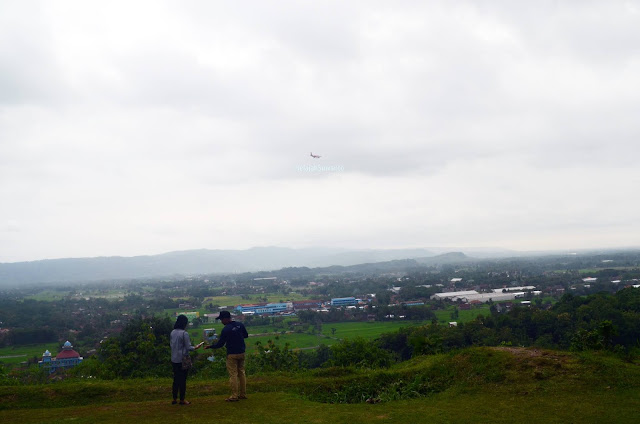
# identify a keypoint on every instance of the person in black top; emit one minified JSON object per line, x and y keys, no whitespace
{"x":233,"y":335}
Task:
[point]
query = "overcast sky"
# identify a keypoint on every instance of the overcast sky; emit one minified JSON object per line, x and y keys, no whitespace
{"x":131,"y":128}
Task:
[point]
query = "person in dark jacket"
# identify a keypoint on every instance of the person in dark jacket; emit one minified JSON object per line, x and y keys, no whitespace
{"x":180,"y":346}
{"x":233,"y":335}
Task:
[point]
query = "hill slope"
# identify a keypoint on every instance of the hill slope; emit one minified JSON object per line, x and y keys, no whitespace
{"x":498,"y":385}
{"x":190,"y":262}
{"x":194,"y":262}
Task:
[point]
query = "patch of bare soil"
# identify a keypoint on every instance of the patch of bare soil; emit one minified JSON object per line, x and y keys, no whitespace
{"x":530,"y":352}
{"x":541,"y":363}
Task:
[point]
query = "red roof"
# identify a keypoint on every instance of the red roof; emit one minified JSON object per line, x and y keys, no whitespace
{"x":66,"y":354}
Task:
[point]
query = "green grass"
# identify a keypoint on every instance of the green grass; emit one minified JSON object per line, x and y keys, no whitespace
{"x":49,"y":295}
{"x":344,"y":330}
{"x":594,"y":270}
{"x":277,"y":408}
{"x":20,"y":354}
{"x":53,"y":295}
{"x":295,"y":340}
{"x":367,"y":330}
{"x":444,"y":315}
{"x":478,"y":385}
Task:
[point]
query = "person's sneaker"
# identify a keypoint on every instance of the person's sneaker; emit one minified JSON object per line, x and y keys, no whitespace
{"x":231,"y":399}
{"x":242,"y":397}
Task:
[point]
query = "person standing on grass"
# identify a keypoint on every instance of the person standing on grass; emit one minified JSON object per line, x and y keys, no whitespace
{"x":180,"y":346}
{"x":233,"y":335}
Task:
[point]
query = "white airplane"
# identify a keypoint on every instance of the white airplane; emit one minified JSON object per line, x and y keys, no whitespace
{"x":315,"y":156}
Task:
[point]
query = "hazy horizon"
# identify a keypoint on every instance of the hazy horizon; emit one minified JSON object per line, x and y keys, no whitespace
{"x":142,"y":128}
{"x":481,"y":252}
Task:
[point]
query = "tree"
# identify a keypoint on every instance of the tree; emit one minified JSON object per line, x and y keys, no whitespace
{"x":140,"y":350}
{"x":383,"y":298}
{"x":455,"y":314}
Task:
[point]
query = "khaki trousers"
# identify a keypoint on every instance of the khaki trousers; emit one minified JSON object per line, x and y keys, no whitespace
{"x":237,"y":376}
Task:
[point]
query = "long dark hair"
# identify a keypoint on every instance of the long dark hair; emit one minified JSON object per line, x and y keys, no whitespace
{"x":181,"y":322}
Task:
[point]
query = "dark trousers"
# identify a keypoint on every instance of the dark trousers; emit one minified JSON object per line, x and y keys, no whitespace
{"x":179,"y":380}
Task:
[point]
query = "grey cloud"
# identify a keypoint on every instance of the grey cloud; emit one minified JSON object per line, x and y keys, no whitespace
{"x":29,"y":73}
{"x":194,"y":113}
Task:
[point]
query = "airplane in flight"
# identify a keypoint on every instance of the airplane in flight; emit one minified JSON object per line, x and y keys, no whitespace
{"x":315,"y":156}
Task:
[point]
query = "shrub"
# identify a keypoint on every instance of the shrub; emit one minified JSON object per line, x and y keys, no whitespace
{"x":5,"y":380}
{"x":359,"y":353}
{"x":273,"y":358}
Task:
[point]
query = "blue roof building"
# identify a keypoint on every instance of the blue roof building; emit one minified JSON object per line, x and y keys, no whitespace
{"x":343,"y":301}
{"x":269,"y":308}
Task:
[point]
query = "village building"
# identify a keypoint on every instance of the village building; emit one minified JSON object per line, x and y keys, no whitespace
{"x":449,"y":295}
{"x":511,"y":289}
{"x":264,"y":308}
{"x":487,"y":297}
{"x":299,"y":305}
{"x":413,"y":303}
{"x":343,"y":301}
{"x":67,"y":358}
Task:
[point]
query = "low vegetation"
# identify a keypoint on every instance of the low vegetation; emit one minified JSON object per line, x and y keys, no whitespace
{"x":502,"y":384}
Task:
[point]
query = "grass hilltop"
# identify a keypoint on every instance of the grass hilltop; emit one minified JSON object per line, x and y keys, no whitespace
{"x":475,"y":385}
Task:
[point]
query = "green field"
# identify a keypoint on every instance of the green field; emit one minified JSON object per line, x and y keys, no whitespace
{"x":444,"y":315}
{"x":253,"y":298}
{"x":477,"y":385}
{"x":16,"y":355}
{"x":367,"y":330}
{"x":50,"y":295}
{"x":295,"y":340}
{"x":344,"y":330}
{"x":594,"y":270}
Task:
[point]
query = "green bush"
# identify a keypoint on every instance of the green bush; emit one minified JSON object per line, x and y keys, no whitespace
{"x":30,"y":375}
{"x":5,"y":380}
{"x":359,"y":353}
{"x":206,"y":369}
{"x":141,"y":350}
{"x":273,"y":358}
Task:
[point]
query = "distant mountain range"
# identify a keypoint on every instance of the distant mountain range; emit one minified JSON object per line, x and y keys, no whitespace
{"x":204,"y":261}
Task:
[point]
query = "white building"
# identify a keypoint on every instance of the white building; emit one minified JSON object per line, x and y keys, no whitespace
{"x":450,"y":295}
{"x":486,"y":297}
{"x":510,"y":289}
